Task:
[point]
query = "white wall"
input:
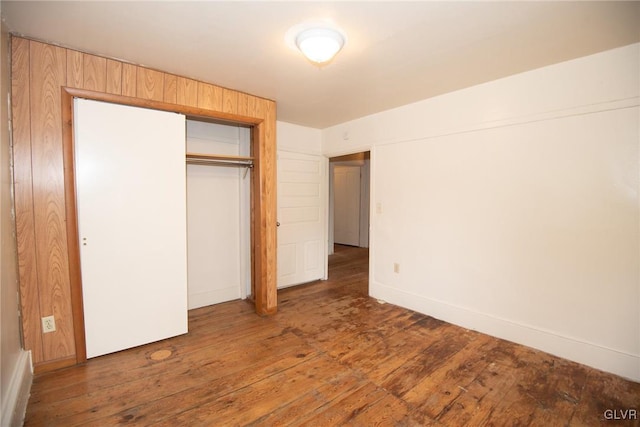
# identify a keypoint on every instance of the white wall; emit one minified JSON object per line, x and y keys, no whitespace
{"x":15,"y":363}
{"x":298,"y":139}
{"x":512,"y":207}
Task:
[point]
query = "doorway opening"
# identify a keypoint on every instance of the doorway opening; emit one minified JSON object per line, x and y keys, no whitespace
{"x":349,"y":189}
{"x":349,"y":199}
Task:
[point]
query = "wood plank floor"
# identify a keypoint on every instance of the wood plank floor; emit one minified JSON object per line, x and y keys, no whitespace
{"x":331,"y":356}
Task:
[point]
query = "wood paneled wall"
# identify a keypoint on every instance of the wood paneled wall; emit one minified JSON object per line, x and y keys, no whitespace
{"x":39,"y":71}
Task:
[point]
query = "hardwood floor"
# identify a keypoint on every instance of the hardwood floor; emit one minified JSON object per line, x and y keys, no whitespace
{"x":331,"y":356}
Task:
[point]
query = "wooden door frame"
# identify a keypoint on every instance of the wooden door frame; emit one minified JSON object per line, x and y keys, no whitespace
{"x":259,"y":210}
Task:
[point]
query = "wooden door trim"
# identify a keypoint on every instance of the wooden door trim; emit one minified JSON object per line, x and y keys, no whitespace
{"x":73,"y":245}
{"x":259,"y":231}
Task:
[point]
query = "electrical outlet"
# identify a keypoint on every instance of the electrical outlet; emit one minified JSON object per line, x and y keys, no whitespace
{"x":396,"y":267}
{"x":48,"y":324}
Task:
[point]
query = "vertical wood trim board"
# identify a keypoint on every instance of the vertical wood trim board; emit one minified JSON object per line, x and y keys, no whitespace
{"x":39,"y":73}
{"x":75,"y":69}
{"x":269,"y":194}
{"x":229,"y":101}
{"x":23,"y":197}
{"x":205,"y":96}
{"x":73,"y":241}
{"x":150,"y":84}
{"x":187,"y":92}
{"x":95,"y":73}
{"x":114,"y":77}
{"x":243,"y":104}
{"x":129,"y":79}
{"x":170,"y":89}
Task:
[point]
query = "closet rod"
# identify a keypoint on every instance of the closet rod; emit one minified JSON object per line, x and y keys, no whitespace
{"x":226,"y":158}
{"x":219,"y":163}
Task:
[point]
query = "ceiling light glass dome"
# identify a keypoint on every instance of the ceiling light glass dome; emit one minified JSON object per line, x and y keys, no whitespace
{"x":320,"y":44}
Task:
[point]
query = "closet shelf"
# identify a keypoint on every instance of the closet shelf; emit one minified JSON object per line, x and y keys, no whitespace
{"x":200,"y":156}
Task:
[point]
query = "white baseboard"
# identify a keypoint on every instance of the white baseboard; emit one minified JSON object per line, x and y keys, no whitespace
{"x":590,"y":354}
{"x":14,"y":405}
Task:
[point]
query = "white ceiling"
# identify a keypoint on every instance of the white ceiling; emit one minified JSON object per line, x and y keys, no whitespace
{"x":397,"y":52}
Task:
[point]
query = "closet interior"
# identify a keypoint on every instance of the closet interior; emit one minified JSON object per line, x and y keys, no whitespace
{"x":218,"y":212}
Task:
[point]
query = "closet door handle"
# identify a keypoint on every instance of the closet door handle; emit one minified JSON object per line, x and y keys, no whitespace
{"x":277,"y":223}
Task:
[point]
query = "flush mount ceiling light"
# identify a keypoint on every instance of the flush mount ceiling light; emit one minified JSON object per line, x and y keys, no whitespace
{"x":319,"y":45}
{"x":318,"y":40}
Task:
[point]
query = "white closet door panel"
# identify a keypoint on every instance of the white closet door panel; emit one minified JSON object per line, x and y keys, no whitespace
{"x":130,"y":181}
{"x":302,"y":213}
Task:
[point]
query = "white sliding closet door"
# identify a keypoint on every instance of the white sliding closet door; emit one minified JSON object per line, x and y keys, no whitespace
{"x":130,"y":183}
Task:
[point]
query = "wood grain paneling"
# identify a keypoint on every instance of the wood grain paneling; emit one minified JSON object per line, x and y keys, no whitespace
{"x":129,"y":79}
{"x":23,"y":199}
{"x":209,"y":96}
{"x":75,"y":69}
{"x":114,"y":77}
{"x":217,"y":99}
{"x":170,"y":88}
{"x":39,"y":71}
{"x":252,"y":107}
{"x":187,"y":92}
{"x":95,"y":73}
{"x":229,"y":101}
{"x":205,"y":95}
{"x":150,"y":84}
{"x":243,"y":104}
{"x":47,"y":75}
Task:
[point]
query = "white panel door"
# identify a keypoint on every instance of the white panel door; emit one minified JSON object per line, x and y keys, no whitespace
{"x":346,"y":205}
{"x":130,"y":183}
{"x":302,"y":213}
